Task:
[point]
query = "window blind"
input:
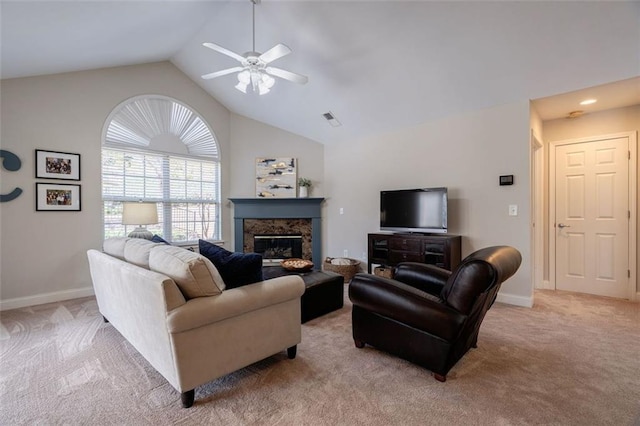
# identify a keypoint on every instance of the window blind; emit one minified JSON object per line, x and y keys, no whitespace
{"x":184,"y":188}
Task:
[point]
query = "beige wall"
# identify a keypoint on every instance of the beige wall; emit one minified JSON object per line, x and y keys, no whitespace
{"x":467,"y":154}
{"x":252,"y":139}
{"x":43,"y":254}
{"x":601,"y":123}
{"x":597,"y":123}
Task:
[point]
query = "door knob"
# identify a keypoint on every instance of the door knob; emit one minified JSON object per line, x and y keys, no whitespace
{"x":562,"y":225}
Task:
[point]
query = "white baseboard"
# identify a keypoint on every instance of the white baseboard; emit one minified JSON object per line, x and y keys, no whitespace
{"x":39,"y":299}
{"x":510,"y":299}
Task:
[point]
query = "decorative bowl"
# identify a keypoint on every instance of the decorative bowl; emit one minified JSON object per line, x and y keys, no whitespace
{"x":298,"y":265}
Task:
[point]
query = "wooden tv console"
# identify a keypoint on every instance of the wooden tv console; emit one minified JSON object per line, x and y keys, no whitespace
{"x":388,"y":249}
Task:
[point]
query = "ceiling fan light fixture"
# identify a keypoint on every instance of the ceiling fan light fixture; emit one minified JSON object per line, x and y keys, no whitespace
{"x":242,"y":87}
{"x":244,"y":77}
{"x":256,"y":77}
{"x":267,"y":81}
{"x":260,"y":81}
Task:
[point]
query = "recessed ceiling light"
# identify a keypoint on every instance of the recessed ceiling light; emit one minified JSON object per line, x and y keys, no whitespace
{"x":588,"y":101}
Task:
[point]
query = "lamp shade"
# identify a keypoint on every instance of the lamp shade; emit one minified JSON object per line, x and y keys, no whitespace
{"x":139,"y":213}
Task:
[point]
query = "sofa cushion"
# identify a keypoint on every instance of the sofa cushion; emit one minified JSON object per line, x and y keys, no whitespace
{"x":194,"y":274}
{"x":136,"y":251}
{"x":115,"y":246}
{"x":236,"y":269}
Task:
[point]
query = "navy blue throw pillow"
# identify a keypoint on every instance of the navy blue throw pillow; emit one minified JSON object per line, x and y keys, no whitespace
{"x":236,"y":269}
{"x":159,"y":239}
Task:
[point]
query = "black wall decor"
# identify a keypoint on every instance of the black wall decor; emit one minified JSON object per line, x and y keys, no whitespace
{"x":12,"y":163}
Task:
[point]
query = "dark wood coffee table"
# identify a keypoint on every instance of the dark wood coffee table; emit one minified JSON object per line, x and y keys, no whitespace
{"x":324,"y":290}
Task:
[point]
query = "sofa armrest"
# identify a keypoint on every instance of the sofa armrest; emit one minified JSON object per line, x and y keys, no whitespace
{"x":202,"y":311}
{"x":424,"y":277}
{"x":404,"y":303}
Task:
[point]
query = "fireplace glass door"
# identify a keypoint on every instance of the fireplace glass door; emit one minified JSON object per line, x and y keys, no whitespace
{"x":275,"y":248}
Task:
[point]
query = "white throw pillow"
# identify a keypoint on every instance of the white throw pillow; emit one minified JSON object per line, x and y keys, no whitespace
{"x":194,"y":274}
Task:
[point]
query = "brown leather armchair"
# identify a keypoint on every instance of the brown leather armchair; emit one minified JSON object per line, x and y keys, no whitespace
{"x":428,"y":315}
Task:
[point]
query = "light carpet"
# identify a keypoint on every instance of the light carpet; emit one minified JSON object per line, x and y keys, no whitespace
{"x":571,"y":360}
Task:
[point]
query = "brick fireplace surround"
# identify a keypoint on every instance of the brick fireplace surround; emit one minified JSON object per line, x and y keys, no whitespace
{"x":279,"y":212}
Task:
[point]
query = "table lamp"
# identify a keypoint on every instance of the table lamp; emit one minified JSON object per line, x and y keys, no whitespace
{"x":140,"y":214}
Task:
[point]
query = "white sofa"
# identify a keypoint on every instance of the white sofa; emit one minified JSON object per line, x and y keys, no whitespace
{"x":172,"y":306}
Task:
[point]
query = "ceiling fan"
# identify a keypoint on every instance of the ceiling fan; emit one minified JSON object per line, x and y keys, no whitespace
{"x":254,"y":67}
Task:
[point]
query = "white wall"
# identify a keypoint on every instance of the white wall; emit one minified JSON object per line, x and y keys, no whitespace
{"x":467,"y":154}
{"x":594,"y":124}
{"x":43,"y":254}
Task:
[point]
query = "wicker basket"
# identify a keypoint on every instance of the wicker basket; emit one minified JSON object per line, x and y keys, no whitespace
{"x":347,"y":271}
{"x":383,"y":271}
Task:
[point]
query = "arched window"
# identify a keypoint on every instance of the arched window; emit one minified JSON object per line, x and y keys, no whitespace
{"x":156,"y":149}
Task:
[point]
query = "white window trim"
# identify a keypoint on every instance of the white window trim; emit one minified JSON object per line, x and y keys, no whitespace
{"x":200,"y":145}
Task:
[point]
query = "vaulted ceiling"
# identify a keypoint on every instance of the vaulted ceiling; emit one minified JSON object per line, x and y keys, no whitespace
{"x":376,"y":65}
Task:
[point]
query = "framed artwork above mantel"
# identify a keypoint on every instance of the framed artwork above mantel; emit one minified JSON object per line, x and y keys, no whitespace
{"x":276,"y":177}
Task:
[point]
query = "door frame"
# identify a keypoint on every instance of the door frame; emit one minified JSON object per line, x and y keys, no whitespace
{"x":633,"y":203}
{"x":537,"y":210}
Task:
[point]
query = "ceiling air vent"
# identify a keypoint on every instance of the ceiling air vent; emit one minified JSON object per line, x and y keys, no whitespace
{"x":331,"y":119}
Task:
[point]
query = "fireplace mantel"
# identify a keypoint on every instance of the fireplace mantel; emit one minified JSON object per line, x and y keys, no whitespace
{"x":280,"y":208}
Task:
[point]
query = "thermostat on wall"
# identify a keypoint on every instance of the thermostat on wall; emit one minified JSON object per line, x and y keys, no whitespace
{"x":506,"y":180}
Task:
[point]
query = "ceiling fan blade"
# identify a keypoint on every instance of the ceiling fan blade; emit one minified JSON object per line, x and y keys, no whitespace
{"x":224,"y":51}
{"x":222,"y":72}
{"x":276,"y":52}
{"x":287,"y":75}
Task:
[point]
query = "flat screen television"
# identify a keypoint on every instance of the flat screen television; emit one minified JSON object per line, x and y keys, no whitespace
{"x":414,"y":210}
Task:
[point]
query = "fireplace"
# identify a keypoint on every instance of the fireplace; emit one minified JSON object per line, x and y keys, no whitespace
{"x":278,"y":228}
{"x":275,"y":248}
{"x":279,"y":216}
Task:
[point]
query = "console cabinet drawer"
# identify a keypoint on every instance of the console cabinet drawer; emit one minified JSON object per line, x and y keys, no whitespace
{"x":405,"y":256}
{"x":433,"y":248}
{"x":405,"y":244}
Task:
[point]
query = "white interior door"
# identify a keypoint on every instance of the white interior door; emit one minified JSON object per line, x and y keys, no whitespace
{"x":591,"y":217}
